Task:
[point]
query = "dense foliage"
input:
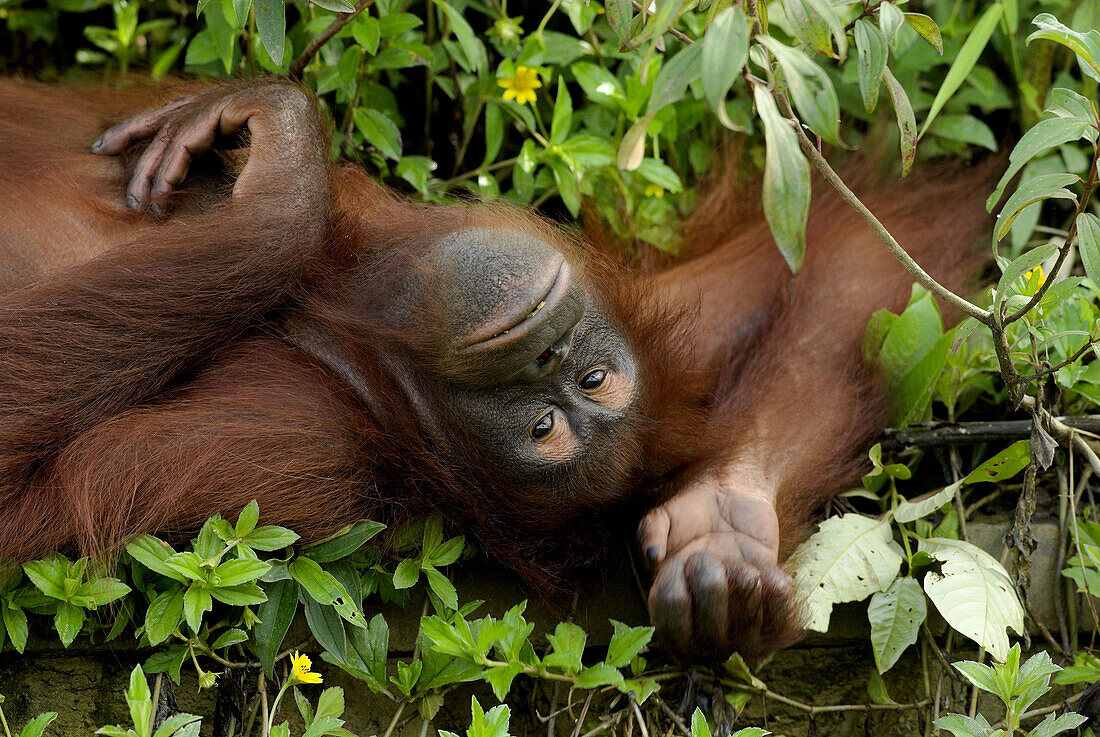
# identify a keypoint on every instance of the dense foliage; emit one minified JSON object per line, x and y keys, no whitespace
{"x":615,"y":112}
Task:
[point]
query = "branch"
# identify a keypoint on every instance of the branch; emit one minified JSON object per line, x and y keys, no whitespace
{"x":342,"y":19}
{"x":848,"y":196}
{"x":971,"y":433}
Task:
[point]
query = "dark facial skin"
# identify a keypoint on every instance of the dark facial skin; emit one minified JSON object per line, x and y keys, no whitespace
{"x":537,"y":372}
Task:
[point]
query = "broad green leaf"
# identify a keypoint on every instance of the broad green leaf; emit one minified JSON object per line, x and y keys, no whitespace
{"x":1053,"y":725}
{"x":981,"y":675}
{"x":1086,"y":45}
{"x":246,"y":520}
{"x":442,"y":587}
{"x":915,"y":390}
{"x":234,"y":572}
{"x":626,"y":643}
{"x":472,"y":48}
{"x":562,"y":121}
{"x":725,"y":51}
{"x":1043,"y":136}
{"x":140,"y":701}
{"x":895,"y":616}
{"x":965,"y":128}
{"x":811,"y":90}
{"x":379,"y":131}
{"x":927,"y":29}
{"x":568,"y":642}
{"x":908,"y":511}
{"x":598,"y":675}
{"x":15,"y":621}
{"x":961,"y":725}
{"x":786,"y":182}
{"x":817,"y":25}
{"x":890,"y":20}
{"x":336,"y":6}
{"x":620,"y":14}
{"x":164,"y":615}
{"x":1002,"y":466}
{"x":176,"y":724}
{"x":270,"y":537}
{"x":327,"y":627}
{"x":699,"y":726}
{"x":847,"y":559}
{"x":271,"y":26}
{"x":871,"y":51}
{"x":500,"y":679}
{"x":196,"y":602}
{"x":973,"y":593}
{"x":230,"y":637}
{"x":406,"y":575}
{"x":344,"y":542}
{"x":968,"y":56}
{"x":1088,"y":244}
{"x":36,"y":726}
{"x":600,"y":86}
{"x":907,"y":123}
{"x":675,"y":76}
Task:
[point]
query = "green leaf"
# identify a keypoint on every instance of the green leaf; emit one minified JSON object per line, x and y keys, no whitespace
{"x":230,"y":637}
{"x":15,"y":620}
{"x":235,"y":572}
{"x":48,"y":576}
{"x":1041,"y":187}
{"x":927,"y":29}
{"x":1024,"y":263}
{"x":620,"y":15}
{"x":327,"y":627}
{"x":810,"y":88}
{"x":786,"y":182}
{"x":847,"y":559}
{"x":562,"y":120}
{"x":981,"y":675}
{"x":908,"y":511}
{"x":140,"y":702}
{"x":330,"y":704}
{"x":380,"y":131}
{"x":568,"y":647}
{"x":472,"y":48}
{"x":895,"y":616}
{"x":68,"y":621}
{"x":675,"y":76}
{"x":175,"y":723}
{"x":871,"y":51}
{"x":816,"y":25}
{"x":343,"y":543}
{"x":626,"y":643}
{"x":1085,"y":45}
{"x":196,"y":602}
{"x":632,"y":147}
{"x":598,"y":675}
{"x":37,"y":726}
{"x":1043,"y":136}
{"x":907,"y":123}
{"x":246,"y":520}
{"x":275,"y":615}
{"x":500,"y":679}
{"x":1056,"y":725}
{"x":270,"y":537}
{"x":961,"y":725}
{"x":1088,"y":244}
{"x":1002,"y":466}
{"x":968,"y":56}
{"x":336,"y":6}
{"x":271,"y":26}
{"x":661,"y":174}
{"x":600,"y":86}
{"x":915,"y":391}
{"x":164,"y":615}
{"x":699,"y":726}
{"x":725,"y":51}
{"x":406,"y":575}
{"x":442,"y":587}
{"x":973,"y":593}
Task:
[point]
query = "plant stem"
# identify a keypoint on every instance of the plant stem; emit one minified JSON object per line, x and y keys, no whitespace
{"x":4,"y":722}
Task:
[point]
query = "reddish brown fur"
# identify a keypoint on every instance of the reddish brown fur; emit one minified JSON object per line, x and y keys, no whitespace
{"x":103,"y":435}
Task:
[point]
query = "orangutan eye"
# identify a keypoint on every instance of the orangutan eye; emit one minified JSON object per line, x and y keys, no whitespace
{"x":593,"y":379}
{"x":543,"y":426}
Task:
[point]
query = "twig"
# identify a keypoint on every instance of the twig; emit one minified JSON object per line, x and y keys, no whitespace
{"x":342,"y":19}
{"x":638,"y":715}
{"x":672,"y":715}
{"x":830,"y":176}
{"x":671,"y":31}
{"x":584,"y":713}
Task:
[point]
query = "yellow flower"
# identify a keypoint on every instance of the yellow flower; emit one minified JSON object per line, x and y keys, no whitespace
{"x":300,"y":665}
{"x":654,"y":190}
{"x":521,"y":87}
{"x":1038,"y":273}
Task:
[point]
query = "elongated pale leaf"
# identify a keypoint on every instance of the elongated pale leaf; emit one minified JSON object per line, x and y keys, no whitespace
{"x":271,"y":26}
{"x":847,"y":559}
{"x":909,"y":511}
{"x":1088,"y":244}
{"x":1042,"y":187}
{"x":725,"y":50}
{"x":965,"y":128}
{"x":786,"y":182}
{"x":907,"y":123}
{"x":965,"y":61}
{"x":1043,"y":136}
{"x":1085,"y":45}
{"x":871,"y":51}
{"x":973,"y":593}
{"x":895,"y":616}
{"x":675,"y":76}
{"x":817,"y":25}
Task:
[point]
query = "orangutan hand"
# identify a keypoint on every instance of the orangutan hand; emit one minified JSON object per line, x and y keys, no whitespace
{"x":717,"y":583}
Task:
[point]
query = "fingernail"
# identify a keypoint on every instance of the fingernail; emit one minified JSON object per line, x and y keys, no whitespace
{"x":651,"y":554}
{"x":97,"y":143}
{"x":132,"y":202}
{"x":157,"y":209}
